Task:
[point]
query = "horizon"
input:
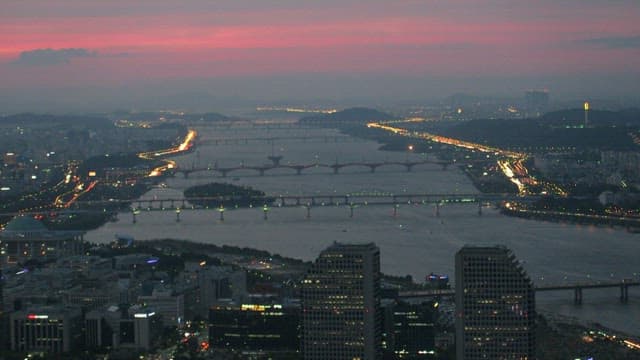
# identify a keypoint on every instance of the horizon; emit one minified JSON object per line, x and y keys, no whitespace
{"x":201,"y":56}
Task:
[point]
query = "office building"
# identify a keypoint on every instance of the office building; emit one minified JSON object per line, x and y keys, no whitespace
{"x":53,"y":330}
{"x":341,"y":317}
{"x":495,"y":305}
{"x":252,"y":327}
{"x":136,"y":327}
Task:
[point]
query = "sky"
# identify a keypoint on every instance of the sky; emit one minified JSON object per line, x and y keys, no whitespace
{"x":79,"y":54}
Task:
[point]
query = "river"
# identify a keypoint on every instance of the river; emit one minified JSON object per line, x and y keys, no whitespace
{"x":415,"y":241}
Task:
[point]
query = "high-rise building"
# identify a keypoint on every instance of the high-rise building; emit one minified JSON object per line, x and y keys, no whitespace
{"x":495,"y":305}
{"x":537,"y":103}
{"x":341,"y":317}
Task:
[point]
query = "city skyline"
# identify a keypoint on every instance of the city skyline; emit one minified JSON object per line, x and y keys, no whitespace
{"x":118,"y":54}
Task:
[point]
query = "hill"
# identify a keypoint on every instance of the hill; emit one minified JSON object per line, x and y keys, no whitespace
{"x":351,"y":116}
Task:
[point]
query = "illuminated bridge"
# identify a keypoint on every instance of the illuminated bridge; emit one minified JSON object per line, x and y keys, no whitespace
{"x":363,"y":198}
{"x":350,"y":200}
{"x":299,"y":168}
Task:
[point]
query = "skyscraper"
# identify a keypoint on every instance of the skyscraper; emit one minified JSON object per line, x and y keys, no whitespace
{"x":341,"y":316}
{"x":495,"y":305}
{"x":537,"y":103}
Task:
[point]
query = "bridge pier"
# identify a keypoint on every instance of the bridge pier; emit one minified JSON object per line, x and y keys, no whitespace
{"x":479,"y":209}
{"x":224,"y":173}
{"x":308,"y":211}
{"x":373,"y":169}
{"x":624,"y":293}
{"x":298,"y":171}
{"x":395,"y":209}
{"x":409,"y":167}
{"x":437,"y":209}
{"x":577,"y":295}
{"x":351,"y":207}
{"x":335,"y":170}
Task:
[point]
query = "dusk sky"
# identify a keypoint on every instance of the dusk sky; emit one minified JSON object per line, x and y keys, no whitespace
{"x":141,"y":53}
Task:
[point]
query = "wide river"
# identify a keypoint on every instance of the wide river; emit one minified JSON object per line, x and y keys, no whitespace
{"x":414,"y":242}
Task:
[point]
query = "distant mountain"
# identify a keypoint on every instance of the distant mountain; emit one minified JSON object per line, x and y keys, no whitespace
{"x":191,"y":117}
{"x":28,"y":119}
{"x":607,"y":130}
{"x":206,"y":117}
{"x":352,"y":116}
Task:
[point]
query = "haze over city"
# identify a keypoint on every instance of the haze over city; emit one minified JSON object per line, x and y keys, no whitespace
{"x":74,"y":55}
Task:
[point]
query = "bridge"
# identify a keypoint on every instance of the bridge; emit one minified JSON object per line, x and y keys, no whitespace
{"x":308,"y":201}
{"x":577,"y":289}
{"x":273,"y":139}
{"x":350,"y":199}
{"x":253,"y":125}
{"x":299,"y":168}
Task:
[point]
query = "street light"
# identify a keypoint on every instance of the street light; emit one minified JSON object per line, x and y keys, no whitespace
{"x":135,"y":212}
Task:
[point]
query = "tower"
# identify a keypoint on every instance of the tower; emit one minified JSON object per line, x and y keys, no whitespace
{"x":586,"y":114}
{"x":495,"y":305}
{"x":341,"y":317}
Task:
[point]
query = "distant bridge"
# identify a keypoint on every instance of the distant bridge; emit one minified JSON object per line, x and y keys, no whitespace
{"x":274,"y":139}
{"x":577,"y":288}
{"x":350,"y":199}
{"x":299,"y":168}
{"x":252,"y":125}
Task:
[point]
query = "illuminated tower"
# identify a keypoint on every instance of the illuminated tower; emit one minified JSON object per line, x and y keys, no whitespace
{"x":586,"y":114}
{"x":341,"y":317}
{"x":495,"y":305}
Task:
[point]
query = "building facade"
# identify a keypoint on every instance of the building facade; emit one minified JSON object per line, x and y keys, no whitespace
{"x":409,"y":330}
{"x":341,"y":316}
{"x":25,"y":238}
{"x":53,"y":330}
{"x":495,"y":305}
{"x":252,"y":327}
